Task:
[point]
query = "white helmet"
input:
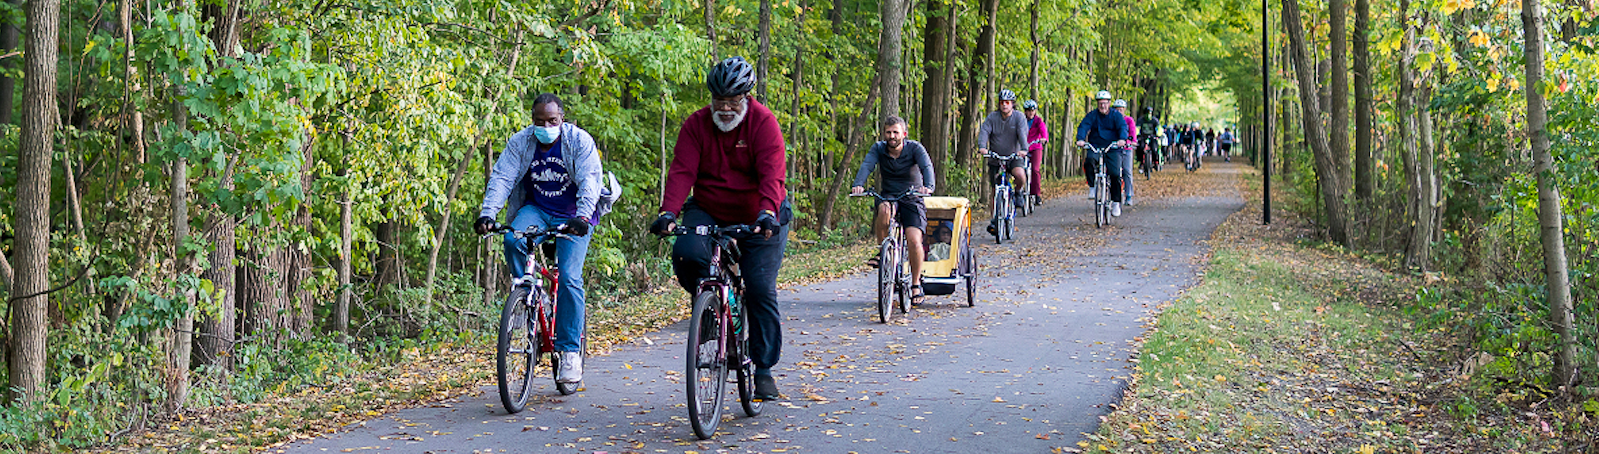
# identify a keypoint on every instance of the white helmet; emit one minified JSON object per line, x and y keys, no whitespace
{"x":1119,"y":103}
{"x":1102,"y":95}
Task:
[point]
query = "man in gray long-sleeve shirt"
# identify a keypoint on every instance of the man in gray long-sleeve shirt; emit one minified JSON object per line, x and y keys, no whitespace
{"x":907,"y":170}
{"x":1005,"y":133}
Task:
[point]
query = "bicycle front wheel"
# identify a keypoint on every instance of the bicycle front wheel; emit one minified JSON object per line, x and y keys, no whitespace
{"x":705,"y":372}
{"x":887,"y":268}
{"x":516,"y":353}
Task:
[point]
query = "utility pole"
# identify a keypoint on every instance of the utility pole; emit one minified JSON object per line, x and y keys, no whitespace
{"x":1265,"y":96}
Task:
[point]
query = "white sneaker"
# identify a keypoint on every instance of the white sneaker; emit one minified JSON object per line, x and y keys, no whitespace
{"x":571,"y":368}
{"x":1093,"y":193}
{"x":1115,"y":209}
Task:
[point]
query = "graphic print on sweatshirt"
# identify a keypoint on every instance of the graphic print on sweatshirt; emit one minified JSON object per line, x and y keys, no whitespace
{"x":548,"y":184}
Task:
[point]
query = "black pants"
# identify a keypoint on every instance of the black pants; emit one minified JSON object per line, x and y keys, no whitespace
{"x":1113,"y":174}
{"x":691,"y":259}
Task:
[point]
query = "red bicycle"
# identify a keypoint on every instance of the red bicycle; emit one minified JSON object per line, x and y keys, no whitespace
{"x":527,"y":323}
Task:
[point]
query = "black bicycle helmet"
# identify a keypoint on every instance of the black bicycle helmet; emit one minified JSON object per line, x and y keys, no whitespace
{"x":1149,"y":110}
{"x":731,"y":77}
{"x":1007,"y":95}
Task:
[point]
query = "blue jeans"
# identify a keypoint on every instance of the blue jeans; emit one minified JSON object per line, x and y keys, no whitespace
{"x":569,"y":254}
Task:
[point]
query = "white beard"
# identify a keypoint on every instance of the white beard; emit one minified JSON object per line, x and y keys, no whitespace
{"x":716,"y":117}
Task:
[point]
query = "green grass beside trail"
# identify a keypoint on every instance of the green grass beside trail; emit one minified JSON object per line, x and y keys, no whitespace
{"x":1294,"y":346}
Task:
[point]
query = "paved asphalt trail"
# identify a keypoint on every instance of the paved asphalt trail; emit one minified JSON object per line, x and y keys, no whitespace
{"x":1030,"y":368}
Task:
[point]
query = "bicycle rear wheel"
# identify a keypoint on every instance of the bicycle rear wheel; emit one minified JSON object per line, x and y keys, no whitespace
{"x":887,"y":271}
{"x":515,"y":354}
{"x":746,"y":371}
{"x":970,"y":258}
{"x":902,"y":285}
{"x":705,"y":371}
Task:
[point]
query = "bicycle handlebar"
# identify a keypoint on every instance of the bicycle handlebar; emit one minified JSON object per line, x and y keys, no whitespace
{"x":730,"y":230}
{"x":531,"y":232}
{"x":1001,"y":157}
{"x":887,"y":198}
{"x":1092,"y":148}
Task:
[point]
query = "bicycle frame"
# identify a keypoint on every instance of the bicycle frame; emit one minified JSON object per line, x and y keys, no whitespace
{"x":542,"y":280}
{"x":1004,"y":210}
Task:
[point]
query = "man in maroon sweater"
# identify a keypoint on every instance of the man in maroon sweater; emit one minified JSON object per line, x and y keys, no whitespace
{"x":731,"y":156}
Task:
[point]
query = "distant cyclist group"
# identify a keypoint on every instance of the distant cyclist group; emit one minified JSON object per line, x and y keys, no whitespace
{"x":726,"y":203}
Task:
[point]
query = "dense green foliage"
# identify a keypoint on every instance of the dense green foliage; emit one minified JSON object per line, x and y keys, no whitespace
{"x":1487,"y":272}
{"x":312,"y":105}
{"x":379,"y":106}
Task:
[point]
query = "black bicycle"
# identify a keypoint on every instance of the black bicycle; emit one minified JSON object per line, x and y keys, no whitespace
{"x":893,"y":270}
{"x":718,"y":337}
{"x":1147,"y":151}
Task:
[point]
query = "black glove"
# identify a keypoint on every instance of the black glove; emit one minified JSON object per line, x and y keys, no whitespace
{"x":663,"y":224}
{"x":576,"y":226}
{"x":483,"y":225}
{"x":768,"y":223}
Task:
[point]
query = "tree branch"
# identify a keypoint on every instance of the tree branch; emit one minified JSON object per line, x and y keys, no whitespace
{"x":598,"y":7}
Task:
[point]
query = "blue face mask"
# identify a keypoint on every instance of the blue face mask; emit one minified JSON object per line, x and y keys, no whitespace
{"x":547,"y":135}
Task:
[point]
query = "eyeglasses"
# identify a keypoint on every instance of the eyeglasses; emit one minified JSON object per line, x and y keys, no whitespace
{"x":726,"y":103}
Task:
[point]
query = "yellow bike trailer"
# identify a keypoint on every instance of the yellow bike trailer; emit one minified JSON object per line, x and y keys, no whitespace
{"x":948,"y":247}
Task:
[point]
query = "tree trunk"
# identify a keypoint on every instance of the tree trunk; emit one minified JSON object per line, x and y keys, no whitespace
{"x":1327,"y":170}
{"x":8,"y":86}
{"x":764,"y":32}
{"x":388,"y":263}
{"x":888,"y":57}
{"x":31,"y":248}
{"x":1338,"y":127}
{"x":218,"y":333}
{"x":1549,"y":212}
{"x":341,"y":308}
{"x":797,"y":75}
{"x":710,"y":28}
{"x":1418,"y":241}
{"x":842,"y":174}
{"x":1032,"y":80}
{"x":935,"y":91}
{"x":259,"y":286}
{"x":297,"y":303}
{"x":1427,"y":201}
{"x":976,"y":94}
{"x":1365,"y":181}
{"x":182,"y":346}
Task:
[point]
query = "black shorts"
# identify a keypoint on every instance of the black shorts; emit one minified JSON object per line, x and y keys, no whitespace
{"x":1226,"y":147}
{"x":993,"y":166}
{"x":911,"y":213}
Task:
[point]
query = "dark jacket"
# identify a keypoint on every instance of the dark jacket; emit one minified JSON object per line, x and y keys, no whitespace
{"x":1102,"y":129}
